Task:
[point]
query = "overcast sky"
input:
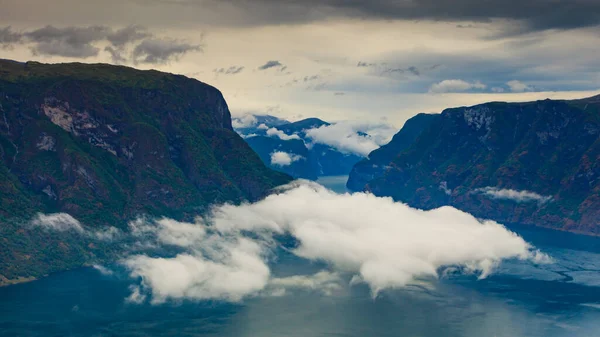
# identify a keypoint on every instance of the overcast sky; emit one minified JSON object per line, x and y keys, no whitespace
{"x":335,"y":59}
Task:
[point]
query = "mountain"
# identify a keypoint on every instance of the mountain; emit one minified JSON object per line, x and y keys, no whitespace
{"x":275,"y":139}
{"x":374,"y":166}
{"x":532,"y":163}
{"x":105,"y":144}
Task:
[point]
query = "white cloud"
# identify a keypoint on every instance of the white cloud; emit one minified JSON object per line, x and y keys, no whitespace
{"x":227,"y":268}
{"x":278,"y":133}
{"x":244,"y":121}
{"x":514,"y":195}
{"x":283,"y":158}
{"x":518,"y":86}
{"x":263,"y":126}
{"x":58,"y":221}
{"x":345,"y":137}
{"x":376,"y":240}
{"x":455,"y":86}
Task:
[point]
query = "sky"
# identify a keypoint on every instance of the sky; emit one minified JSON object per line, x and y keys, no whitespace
{"x":376,"y":61}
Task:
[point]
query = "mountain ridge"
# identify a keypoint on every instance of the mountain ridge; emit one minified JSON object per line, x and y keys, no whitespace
{"x":105,"y":144}
{"x":467,"y":159}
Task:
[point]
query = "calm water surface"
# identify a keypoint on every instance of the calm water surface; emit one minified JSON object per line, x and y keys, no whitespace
{"x":520,"y":299}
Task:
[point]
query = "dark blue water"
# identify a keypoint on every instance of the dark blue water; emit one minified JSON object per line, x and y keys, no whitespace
{"x":520,"y":299}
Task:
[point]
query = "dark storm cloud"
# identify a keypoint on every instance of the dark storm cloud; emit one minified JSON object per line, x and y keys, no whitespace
{"x":533,"y":15}
{"x":159,"y":51}
{"x":229,"y":71}
{"x":271,"y":64}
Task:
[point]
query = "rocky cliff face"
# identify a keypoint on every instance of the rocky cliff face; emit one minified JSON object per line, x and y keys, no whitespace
{"x":533,"y":163}
{"x":105,"y":144}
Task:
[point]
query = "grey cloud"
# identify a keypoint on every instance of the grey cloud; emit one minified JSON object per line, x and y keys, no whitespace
{"x":9,"y":37}
{"x":72,"y":35}
{"x":534,"y":15}
{"x":127,"y":35}
{"x":271,"y":64}
{"x":161,"y":50}
{"x":116,"y":55}
{"x":62,"y":48}
{"x":82,"y":42}
{"x":68,"y":42}
{"x":77,"y":42}
{"x":526,"y":16}
{"x":229,"y":71}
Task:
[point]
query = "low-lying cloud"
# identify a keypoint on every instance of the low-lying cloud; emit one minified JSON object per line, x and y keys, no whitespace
{"x":274,"y":132}
{"x":352,"y":138}
{"x":361,"y":237}
{"x":281,"y":158}
{"x":514,"y":195}
{"x":63,"y":222}
{"x":57,"y":221}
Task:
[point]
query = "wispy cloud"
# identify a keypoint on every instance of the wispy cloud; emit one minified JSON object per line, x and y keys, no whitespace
{"x":229,"y":71}
{"x":514,"y":195}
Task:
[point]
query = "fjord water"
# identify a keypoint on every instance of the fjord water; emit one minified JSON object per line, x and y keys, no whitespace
{"x":520,"y":299}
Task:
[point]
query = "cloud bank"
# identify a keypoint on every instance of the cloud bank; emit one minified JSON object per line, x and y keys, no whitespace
{"x":368,"y":239}
{"x":514,"y":195}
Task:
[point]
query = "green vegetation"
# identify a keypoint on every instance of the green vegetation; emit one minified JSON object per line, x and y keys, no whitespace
{"x":106,"y":144}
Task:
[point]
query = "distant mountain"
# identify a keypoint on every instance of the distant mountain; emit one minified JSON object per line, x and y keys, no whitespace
{"x":274,"y":139}
{"x":105,"y":144}
{"x":531,"y":163}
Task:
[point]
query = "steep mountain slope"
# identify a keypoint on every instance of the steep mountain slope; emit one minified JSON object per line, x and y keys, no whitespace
{"x":374,"y":166}
{"x":105,"y":144}
{"x":533,"y":163}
